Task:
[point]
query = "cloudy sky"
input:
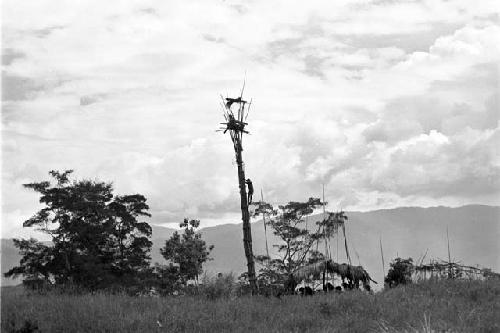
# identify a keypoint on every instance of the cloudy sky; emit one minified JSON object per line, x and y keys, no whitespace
{"x":387,"y":103}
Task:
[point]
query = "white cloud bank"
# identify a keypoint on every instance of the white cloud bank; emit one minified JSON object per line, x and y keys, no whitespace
{"x":387,"y":103}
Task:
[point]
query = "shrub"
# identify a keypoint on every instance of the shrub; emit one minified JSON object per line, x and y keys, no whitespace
{"x":220,"y":286}
{"x":400,"y":272}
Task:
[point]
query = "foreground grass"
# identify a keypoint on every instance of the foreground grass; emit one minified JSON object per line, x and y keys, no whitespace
{"x":449,"y":306}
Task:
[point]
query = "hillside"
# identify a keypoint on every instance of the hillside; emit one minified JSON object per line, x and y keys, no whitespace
{"x":474,"y":231}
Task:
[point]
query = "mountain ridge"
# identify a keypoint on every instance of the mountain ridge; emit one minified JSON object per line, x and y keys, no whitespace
{"x":474,"y":231}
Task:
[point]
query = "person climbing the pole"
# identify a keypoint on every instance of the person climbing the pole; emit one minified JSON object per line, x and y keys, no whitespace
{"x":250,"y":190}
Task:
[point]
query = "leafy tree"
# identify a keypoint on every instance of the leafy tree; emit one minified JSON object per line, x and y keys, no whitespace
{"x":188,"y":251}
{"x":297,"y":240}
{"x":35,"y":263}
{"x":97,"y":239}
{"x":400,"y":272}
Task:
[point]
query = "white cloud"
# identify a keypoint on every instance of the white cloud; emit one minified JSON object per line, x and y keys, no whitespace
{"x":129,"y":94}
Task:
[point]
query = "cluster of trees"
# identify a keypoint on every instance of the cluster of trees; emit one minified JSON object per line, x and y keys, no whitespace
{"x":299,"y":242}
{"x":98,"y":242}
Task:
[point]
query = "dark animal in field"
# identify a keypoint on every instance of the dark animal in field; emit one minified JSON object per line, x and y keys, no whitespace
{"x":305,"y":291}
{"x":328,"y":287}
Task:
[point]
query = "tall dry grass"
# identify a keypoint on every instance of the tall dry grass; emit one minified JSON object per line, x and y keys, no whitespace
{"x":432,"y":306}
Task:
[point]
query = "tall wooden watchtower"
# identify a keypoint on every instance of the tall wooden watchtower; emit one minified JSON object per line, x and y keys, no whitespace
{"x":235,"y":113}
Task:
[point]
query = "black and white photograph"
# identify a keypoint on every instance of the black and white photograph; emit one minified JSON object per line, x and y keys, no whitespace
{"x":250,"y":166}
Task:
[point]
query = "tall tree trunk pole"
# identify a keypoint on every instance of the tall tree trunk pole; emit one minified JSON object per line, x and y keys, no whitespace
{"x":449,"y":255}
{"x":382,"y":255}
{"x":245,"y":216}
{"x":235,"y":124}
{"x":264,"y":222}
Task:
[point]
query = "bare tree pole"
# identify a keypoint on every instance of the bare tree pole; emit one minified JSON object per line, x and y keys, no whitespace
{"x":382,"y":255}
{"x":326,"y":241}
{"x":448,"y":239}
{"x":236,"y":126}
{"x":449,"y":254}
{"x":264,"y":220}
{"x":324,"y":228}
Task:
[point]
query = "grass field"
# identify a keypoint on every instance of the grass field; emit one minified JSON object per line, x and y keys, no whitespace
{"x":447,"y":306}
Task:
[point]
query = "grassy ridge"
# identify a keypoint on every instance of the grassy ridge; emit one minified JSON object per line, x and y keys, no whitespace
{"x":453,"y":306}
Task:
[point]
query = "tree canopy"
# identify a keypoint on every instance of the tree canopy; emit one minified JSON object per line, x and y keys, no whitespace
{"x":187,"y":250}
{"x":297,"y":237}
{"x":97,"y":240}
{"x":400,"y":272}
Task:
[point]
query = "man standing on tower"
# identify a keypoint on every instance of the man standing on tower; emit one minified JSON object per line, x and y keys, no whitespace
{"x":250,"y":190}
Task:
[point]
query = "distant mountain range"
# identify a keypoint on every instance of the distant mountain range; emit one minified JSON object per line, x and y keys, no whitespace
{"x":474,"y":234}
